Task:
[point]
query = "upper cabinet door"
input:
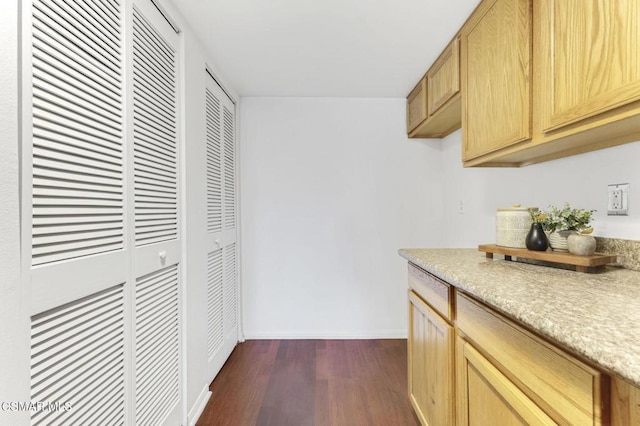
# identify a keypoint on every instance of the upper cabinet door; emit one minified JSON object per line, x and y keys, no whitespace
{"x":594,"y":67}
{"x":443,"y":79}
{"x":496,"y":74}
{"x":433,"y":106}
{"x":417,"y":105}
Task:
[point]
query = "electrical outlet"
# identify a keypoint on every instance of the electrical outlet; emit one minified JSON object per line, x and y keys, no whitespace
{"x":618,"y":204}
{"x":616,"y":199}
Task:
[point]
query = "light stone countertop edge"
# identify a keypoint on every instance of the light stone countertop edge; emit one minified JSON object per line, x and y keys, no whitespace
{"x":596,"y":316}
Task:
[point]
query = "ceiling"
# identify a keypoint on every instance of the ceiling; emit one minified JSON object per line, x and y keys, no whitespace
{"x":324,"y":48}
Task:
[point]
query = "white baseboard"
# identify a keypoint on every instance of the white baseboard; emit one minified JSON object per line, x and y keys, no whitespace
{"x":326,"y":335}
{"x":198,"y":407}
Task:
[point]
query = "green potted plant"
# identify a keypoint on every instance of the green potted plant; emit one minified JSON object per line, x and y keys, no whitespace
{"x":562,"y":222}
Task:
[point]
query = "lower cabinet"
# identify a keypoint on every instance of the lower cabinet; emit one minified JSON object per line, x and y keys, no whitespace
{"x":566,"y":389}
{"x":487,"y":397}
{"x":625,"y":403}
{"x":430,"y":364}
{"x":470,"y":365}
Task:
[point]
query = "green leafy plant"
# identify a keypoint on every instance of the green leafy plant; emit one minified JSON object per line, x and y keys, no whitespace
{"x":537,"y":216}
{"x":566,"y":218}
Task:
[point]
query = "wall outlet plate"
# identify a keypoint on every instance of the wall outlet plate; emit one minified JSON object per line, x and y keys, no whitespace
{"x":618,"y":204}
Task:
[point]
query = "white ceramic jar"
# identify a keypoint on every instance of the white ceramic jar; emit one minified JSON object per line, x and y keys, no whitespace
{"x":512,"y":225}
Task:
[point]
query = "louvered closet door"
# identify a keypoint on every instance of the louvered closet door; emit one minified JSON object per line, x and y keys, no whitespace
{"x":222,"y":312}
{"x":155,"y":164}
{"x":74,"y":229}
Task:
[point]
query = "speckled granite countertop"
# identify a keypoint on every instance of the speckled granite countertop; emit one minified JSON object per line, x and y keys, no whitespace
{"x":594,"y":315}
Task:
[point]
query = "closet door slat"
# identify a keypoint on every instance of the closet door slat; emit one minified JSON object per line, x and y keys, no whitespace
{"x":155,"y":134}
{"x":215,"y":303}
{"x":229,"y":170}
{"x":214,"y":163}
{"x":230,"y":287}
{"x":157,"y":353}
{"x":77,"y":356}
{"x":77,"y":130}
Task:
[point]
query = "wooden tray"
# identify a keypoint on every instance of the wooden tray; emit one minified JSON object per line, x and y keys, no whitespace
{"x":594,"y":263}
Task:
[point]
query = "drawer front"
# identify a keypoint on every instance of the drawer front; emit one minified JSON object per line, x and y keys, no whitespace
{"x":435,"y":292}
{"x":567,"y":389}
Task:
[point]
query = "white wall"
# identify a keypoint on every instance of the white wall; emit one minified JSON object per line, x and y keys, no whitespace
{"x":194,"y":219}
{"x":581,"y":180}
{"x":14,"y":349}
{"x":331,"y":189}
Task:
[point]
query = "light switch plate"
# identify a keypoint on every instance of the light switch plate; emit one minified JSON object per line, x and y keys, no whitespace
{"x":618,"y":201}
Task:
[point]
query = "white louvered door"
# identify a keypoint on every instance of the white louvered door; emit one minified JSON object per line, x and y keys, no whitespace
{"x":222,"y":260}
{"x":100,"y":211}
{"x":75,"y":257}
{"x":155,"y":185}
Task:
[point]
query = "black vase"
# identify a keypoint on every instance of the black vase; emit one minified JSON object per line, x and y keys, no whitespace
{"x":536,"y":238}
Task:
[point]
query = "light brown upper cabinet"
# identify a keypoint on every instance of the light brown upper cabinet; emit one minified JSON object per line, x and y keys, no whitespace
{"x":443,"y":78}
{"x":538,"y":81}
{"x":585,"y":80}
{"x":417,"y":105}
{"x":496,"y":77}
{"x":588,"y":65}
{"x":433,"y":107}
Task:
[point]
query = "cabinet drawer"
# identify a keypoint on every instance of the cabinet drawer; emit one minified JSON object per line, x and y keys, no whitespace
{"x":432,"y":290}
{"x":567,"y":389}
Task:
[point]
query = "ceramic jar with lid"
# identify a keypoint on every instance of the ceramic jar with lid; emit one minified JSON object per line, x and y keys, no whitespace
{"x":512,"y":225}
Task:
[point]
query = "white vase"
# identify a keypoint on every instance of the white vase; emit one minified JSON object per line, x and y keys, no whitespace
{"x":558,"y":240}
{"x":581,"y":245}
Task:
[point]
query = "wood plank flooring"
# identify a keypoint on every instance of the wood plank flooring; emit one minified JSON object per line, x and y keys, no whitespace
{"x":312,"y":382}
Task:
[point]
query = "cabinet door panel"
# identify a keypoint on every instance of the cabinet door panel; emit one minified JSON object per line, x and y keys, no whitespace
{"x":566,"y":388}
{"x":490,"y":397}
{"x":430,"y":364}
{"x":593,"y":67}
{"x":417,"y":105}
{"x":496,"y":67}
{"x":443,"y":79}
{"x":625,"y":403}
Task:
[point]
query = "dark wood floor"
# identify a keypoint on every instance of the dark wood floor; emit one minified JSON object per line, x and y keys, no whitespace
{"x":312,"y":382}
